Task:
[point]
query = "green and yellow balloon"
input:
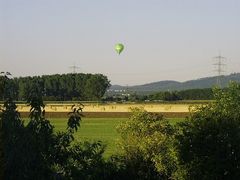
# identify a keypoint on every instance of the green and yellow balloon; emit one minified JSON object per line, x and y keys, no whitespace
{"x":119,"y":48}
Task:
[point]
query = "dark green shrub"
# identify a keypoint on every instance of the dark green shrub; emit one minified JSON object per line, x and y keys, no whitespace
{"x":147,"y":144}
{"x":1,"y":151}
{"x":209,"y":142}
{"x":34,"y":151}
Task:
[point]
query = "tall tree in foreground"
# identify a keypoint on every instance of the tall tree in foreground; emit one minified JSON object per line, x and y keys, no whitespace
{"x":34,"y":151}
{"x":13,"y":125}
{"x":1,"y":151}
{"x":209,"y":142}
{"x":1,"y":130}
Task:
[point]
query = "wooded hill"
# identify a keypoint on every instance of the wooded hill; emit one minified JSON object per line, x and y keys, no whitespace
{"x":207,"y":82}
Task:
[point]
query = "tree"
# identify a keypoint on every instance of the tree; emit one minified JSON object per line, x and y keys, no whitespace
{"x":171,"y":96}
{"x":1,"y":134}
{"x":12,"y":128}
{"x":60,"y":87}
{"x":196,"y":94}
{"x":34,"y":151}
{"x":209,"y":141}
{"x":96,"y":86}
{"x":147,"y":144}
{"x":1,"y":152}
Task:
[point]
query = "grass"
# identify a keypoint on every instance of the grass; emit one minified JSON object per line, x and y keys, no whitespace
{"x":175,"y":120}
{"x":98,"y":129}
{"x":103,"y":129}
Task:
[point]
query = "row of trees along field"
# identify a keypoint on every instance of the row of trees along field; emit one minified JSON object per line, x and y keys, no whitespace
{"x":190,"y":94}
{"x":61,"y":87}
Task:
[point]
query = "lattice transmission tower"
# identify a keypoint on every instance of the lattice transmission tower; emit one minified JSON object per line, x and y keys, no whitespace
{"x":219,"y":64}
{"x":74,"y":68}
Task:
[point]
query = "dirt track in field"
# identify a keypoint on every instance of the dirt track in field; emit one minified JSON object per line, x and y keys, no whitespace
{"x":107,"y":114}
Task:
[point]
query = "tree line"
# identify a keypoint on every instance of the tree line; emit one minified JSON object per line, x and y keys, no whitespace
{"x":190,"y":94}
{"x":60,"y":87}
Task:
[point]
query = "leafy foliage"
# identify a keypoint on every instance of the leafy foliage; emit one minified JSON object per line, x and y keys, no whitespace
{"x":75,"y":118}
{"x":209,"y":145}
{"x":196,"y":94}
{"x":147,"y":144}
{"x":7,"y":86}
{"x":34,"y":151}
{"x":59,"y":87}
{"x":190,"y":94}
{"x":205,"y":146}
{"x":1,"y":151}
{"x":85,"y":161}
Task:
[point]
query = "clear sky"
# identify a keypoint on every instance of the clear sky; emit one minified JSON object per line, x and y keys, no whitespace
{"x":164,"y":39}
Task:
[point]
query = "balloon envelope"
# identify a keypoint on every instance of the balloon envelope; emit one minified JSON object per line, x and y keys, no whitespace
{"x":119,"y":48}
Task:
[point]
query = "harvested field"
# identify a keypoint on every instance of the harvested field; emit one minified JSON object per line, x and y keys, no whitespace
{"x":111,"y":110}
{"x":88,"y":107}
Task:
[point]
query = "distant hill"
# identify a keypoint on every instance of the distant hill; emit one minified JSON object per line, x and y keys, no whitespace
{"x":201,"y":83}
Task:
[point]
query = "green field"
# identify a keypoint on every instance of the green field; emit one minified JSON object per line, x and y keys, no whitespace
{"x":103,"y":129}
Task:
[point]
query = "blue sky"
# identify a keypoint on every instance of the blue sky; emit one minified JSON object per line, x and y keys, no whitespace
{"x":164,"y":39}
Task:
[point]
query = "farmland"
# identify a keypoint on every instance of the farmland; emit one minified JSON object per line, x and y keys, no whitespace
{"x":99,"y":129}
{"x":114,"y":107}
{"x":101,"y":119}
{"x":102,"y":129}
{"x":112,"y":110}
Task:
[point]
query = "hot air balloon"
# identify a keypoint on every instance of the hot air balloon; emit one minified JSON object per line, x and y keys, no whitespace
{"x":119,"y":48}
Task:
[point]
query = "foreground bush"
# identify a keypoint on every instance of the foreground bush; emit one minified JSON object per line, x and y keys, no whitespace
{"x":1,"y":152}
{"x":147,"y":146}
{"x":34,"y":151}
{"x":209,"y":142}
